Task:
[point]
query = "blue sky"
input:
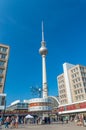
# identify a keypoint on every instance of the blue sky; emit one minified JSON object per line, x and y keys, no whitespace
{"x":20,"y":28}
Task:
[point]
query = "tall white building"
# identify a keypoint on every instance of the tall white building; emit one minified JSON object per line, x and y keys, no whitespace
{"x":4,"y":55}
{"x":72,"y":84}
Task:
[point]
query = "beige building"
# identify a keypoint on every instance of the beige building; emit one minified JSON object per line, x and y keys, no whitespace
{"x":72,"y":84}
{"x":4,"y":54}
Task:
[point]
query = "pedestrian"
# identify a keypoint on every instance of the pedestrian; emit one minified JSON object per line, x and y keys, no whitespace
{"x":16,"y":121}
{"x":66,"y":119}
{"x":62,"y":120}
{"x":7,"y":121}
{"x":12,"y":124}
{"x":1,"y":121}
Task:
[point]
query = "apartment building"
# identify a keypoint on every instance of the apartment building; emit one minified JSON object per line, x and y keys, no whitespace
{"x":4,"y":55}
{"x":72,"y":84}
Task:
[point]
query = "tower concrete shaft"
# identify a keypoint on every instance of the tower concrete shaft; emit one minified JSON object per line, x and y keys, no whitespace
{"x":45,"y":88}
{"x":43,"y":51}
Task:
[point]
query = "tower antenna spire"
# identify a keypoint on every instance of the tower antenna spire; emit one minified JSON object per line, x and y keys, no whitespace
{"x":42,"y":32}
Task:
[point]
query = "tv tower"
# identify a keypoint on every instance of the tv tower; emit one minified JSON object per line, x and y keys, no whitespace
{"x":43,"y":104}
{"x":43,"y":51}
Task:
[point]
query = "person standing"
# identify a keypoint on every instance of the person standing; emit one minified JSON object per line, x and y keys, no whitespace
{"x":62,"y":120}
{"x":16,"y":121}
{"x":12,"y":123}
{"x":1,"y":120}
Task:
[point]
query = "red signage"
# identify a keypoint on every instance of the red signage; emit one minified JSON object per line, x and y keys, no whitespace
{"x":72,"y":107}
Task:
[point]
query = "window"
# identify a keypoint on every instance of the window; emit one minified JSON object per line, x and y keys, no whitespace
{"x":81,"y":91}
{"x":72,"y":71}
{"x":76,"y":98}
{"x":72,"y":76}
{"x":2,"y":63}
{"x":84,"y":84}
{"x":73,"y":81}
{"x":74,"y":86}
{"x":0,"y":80}
{"x":0,"y":86}
{"x":0,"y":55}
{"x":1,"y":71}
{"x":3,"y":49}
{"x":82,"y":69}
{"x":76,"y":69}
{"x":77,"y":85}
{"x":85,"y":90}
{"x":78,"y":91}
{"x":77,"y":74}
{"x":75,"y":92}
{"x":3,"y":56}
{"x":78,"y":79}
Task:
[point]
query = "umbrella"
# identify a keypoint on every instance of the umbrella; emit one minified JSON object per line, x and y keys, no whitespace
{"x":29,"y":116}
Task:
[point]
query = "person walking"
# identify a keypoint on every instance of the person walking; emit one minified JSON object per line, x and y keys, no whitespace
{"x":12,"y":123}
{"x":7,"y":121}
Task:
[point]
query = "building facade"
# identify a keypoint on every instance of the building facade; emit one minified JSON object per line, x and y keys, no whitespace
{"x":17,"y":107}
{"x":4,"y":55}
{"x":72,"y":84}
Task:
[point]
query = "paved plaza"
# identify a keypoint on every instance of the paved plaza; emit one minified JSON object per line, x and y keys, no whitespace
{"x":69,"y":126}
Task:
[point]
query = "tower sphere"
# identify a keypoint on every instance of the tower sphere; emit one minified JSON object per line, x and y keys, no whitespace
{"x":43,"y":50}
